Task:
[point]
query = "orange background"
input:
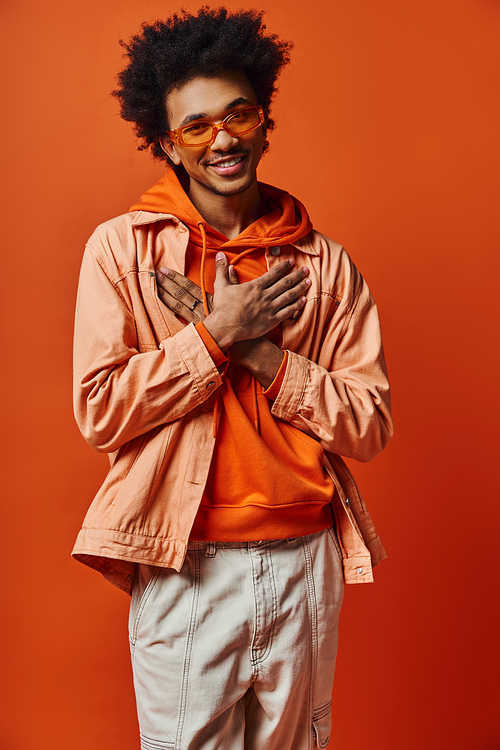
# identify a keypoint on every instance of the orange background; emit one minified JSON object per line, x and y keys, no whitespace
{"x":388,"y":122}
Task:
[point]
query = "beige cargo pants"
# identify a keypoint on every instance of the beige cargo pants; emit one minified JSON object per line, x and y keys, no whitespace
{"x":237,"y":651}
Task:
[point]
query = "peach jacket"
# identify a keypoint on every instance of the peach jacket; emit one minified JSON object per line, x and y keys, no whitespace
{"x":142,"y":382}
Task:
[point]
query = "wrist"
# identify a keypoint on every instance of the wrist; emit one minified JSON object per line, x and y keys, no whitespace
{"x":260,"y":357}
{"x":219,"y":331}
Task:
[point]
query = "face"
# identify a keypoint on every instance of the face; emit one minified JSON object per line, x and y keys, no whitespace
{"x":228,"y":166}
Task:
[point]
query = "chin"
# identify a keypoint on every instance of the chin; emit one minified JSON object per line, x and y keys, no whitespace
{"x":227,"y":191}
{"x":227,"y":188}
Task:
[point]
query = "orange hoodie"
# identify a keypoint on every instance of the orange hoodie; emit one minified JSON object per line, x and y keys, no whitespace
{"x":266,"y":480}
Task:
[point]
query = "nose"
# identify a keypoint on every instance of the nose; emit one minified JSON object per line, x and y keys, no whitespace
{"x":223,"y":141}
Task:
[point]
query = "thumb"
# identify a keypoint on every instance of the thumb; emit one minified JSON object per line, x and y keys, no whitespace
{"x":221,"y":269}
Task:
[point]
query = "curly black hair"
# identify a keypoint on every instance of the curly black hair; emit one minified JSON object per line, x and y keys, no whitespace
{"x":168,"y":54}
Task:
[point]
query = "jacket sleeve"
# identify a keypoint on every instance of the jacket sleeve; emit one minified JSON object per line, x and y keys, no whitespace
{"x":119,"y":392}
{"x":342,"y":399}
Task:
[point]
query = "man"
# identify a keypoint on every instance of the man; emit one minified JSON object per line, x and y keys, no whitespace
{"x":226,"y":354}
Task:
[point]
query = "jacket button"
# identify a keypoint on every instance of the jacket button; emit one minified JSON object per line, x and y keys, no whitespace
{"x":211,"y":384}
{"x":151,"y":273}
{"x":275,"y":250}
{"x":347,"y":501}
{"x":360,"y":570}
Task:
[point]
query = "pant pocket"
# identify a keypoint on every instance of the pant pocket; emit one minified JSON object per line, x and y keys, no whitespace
{"x":332,"y":533}
{"x":322,"y":723}
{"x":144,"y":580}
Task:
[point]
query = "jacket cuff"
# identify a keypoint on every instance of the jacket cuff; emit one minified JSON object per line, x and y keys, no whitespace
{"x":275,"y":386}
{"x":197,"y":360}
{"x":287,"y":403}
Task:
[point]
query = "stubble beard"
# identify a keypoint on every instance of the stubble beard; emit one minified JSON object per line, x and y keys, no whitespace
{"x":227,"y":192}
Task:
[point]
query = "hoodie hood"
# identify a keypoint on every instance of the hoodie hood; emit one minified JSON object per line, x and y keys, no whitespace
{"x":286,"y":222}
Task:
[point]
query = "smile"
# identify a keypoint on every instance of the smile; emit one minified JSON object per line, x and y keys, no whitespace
{"x":230,"y":166}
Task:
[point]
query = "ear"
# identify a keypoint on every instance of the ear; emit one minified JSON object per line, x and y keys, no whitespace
{"x":169,"y":148}
{"x":264,"y":124}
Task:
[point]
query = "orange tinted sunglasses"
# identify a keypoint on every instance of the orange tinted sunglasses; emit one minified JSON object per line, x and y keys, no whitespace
{"x":204,"y":132}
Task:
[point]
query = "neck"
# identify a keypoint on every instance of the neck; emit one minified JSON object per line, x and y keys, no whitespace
{"x":228,"y":214}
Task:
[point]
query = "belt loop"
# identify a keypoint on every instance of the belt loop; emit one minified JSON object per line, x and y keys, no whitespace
{"x":211,"y":549}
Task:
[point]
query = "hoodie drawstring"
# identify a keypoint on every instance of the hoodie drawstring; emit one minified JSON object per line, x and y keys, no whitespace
{"x":255,"y":407}
{"x":201,"y":226}
{"x":218,"y":401}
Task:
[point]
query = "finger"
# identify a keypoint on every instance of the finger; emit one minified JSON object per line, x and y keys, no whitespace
{"x":290,"y":302}
{"x":177,"y":298}
{"x":165,"y":275}
{"x":182,"y":281}
{"x":178,"y":286}
{"x":297,"y":314}
{"x":276,"y":273}
{"x":291,"y":311}
{"x":290,"y":294}
{"x":190,"y":313}
{"x":233,"y":276}
{"x":295,"y":281}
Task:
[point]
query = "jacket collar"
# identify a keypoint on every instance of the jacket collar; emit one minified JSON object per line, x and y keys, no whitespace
{"x":149,"y":217}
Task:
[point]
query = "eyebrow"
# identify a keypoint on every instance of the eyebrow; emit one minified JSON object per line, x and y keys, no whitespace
{"x":204,"y":116}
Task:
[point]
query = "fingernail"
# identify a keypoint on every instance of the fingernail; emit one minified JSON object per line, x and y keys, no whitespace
{"x":220,"y":256}
{"x":291,"y":262}
{"x":308,"y":282}
{"x":165,"y":271}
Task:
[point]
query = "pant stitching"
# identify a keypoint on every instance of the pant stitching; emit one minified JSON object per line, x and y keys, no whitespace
{"x":256,"y":612}
{"x":274,"y":609}
{"x":142,"y":604}
{"x":149,"y":744}
{"x":189,"y":648}
{"x":311,"y":595}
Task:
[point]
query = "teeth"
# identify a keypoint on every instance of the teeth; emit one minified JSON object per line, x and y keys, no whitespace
{"x":229,"y":163}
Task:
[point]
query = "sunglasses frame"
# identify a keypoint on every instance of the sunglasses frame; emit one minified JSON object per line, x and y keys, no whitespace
{"x":176,"y":135}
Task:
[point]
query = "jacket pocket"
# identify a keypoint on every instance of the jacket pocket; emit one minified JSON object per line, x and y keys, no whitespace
{"x":154,"y":321}
{"x":322,"y":723}
{"x":126,"y":457}
{"x":133,"y":481}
